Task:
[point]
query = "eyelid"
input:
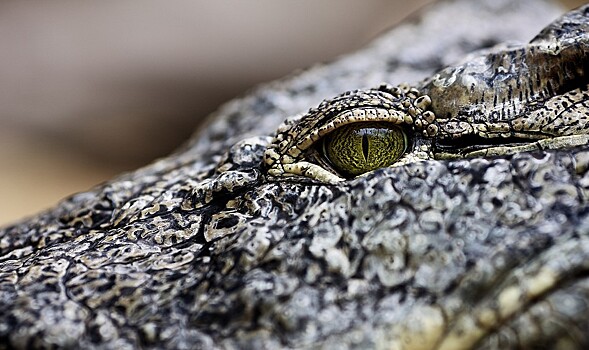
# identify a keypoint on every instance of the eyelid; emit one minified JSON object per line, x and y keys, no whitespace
{"x":345,"y":118}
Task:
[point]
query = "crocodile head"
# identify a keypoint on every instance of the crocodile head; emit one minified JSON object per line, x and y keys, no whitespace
{"x":206,"y":249}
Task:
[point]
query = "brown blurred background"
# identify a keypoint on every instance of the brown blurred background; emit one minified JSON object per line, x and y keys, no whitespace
{"x":91,"y":89}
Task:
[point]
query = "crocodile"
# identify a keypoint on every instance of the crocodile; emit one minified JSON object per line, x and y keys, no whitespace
{"x":213,"y":247}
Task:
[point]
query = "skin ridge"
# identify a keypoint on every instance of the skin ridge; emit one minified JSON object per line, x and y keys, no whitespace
{"x":509,"y":83}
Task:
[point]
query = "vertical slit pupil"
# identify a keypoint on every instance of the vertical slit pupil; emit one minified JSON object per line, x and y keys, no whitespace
{"x":365,"y":146}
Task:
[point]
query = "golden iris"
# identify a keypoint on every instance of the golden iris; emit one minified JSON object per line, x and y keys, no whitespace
{"x":357,"y":148}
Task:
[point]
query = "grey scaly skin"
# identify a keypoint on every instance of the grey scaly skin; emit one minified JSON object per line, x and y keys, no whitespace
{"x":203,"y":249}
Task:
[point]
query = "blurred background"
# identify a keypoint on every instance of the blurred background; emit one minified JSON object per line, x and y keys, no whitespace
{"x":92,"y":89}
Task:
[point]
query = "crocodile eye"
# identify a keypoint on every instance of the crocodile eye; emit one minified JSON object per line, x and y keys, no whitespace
{"x":357,"y":148}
